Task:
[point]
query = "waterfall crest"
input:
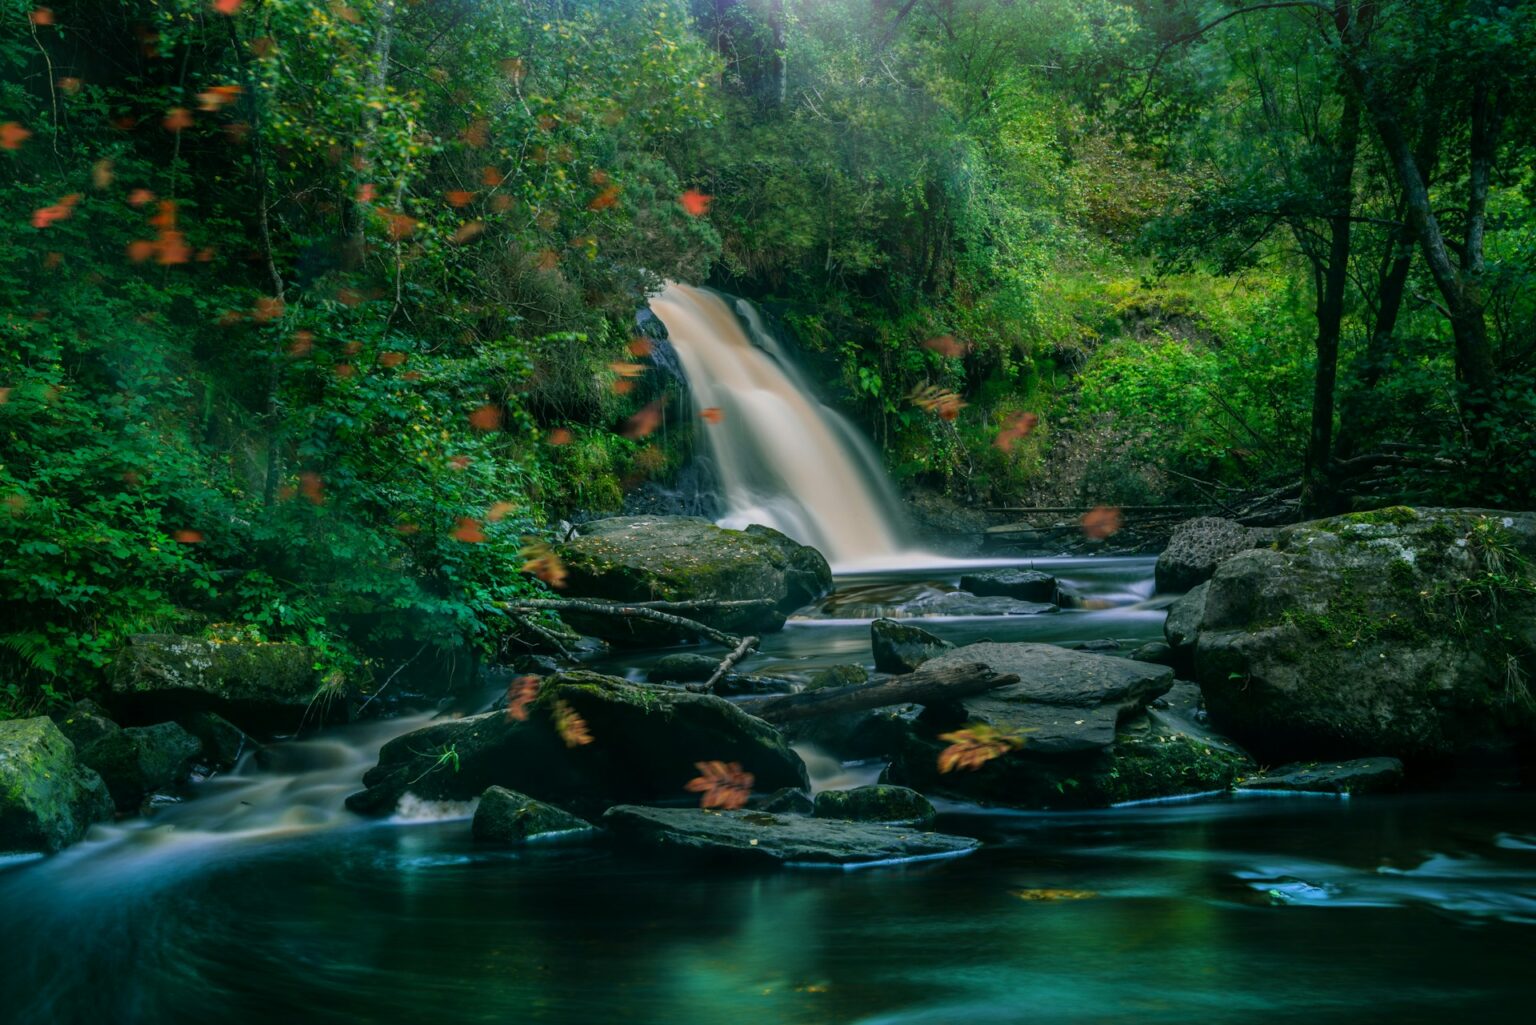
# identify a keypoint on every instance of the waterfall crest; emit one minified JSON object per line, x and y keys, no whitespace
{"x":784,"y":460}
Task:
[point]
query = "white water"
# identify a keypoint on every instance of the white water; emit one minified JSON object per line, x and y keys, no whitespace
{"x":784,"y":459}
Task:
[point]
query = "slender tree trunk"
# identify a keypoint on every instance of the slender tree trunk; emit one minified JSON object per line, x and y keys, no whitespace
{"x":1317,"y":492}
{"x":378,"y":80}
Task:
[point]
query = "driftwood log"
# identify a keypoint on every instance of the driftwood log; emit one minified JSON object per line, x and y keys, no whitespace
{"x":922,"y":687}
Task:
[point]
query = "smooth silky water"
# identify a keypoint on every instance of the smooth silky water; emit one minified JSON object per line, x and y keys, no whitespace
{"x":259,"y":899}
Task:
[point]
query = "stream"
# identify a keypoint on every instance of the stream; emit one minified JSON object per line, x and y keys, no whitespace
{"x":259,"y":899}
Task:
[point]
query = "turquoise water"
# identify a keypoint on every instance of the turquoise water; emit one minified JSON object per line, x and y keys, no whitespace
{"x":260,"y":900}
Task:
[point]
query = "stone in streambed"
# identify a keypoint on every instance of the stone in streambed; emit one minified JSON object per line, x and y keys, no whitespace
{"x":133,"y":762}
{"x":223,"y":742}
{"x":1169,"y":751}
{"x":683,"y":667}
{"x":902,"y":647}
{"x":788,"y":802}
{"x":958,"y":603}
{"x":879,"y":802}
{"x":1023,"y":584}
{"x":509,"y":818}
{"x":765,"y":839}
{"x":47,"y":798}
{"x":1357,"y":776}
{"x":1198,"y":546}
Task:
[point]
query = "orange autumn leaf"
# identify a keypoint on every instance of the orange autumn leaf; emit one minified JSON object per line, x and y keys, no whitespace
{"x":101,"y":174}
{"x":475,"y":134}
{"x":543,"y":563}
{"x":947,"y":345}
{"x":312,"y":487}
{"x":972,"y":747}
{"x":622,"y":387}
{"x":498,"y":511}
{"x":468,"y":530}
{"x":559,"y":436}
{"x":391,"y":359}
{"x":467,"y":231}
{"x":934,"y":399}
{"x":459,"y":462}
{"x":1101,"y":522}
{"x":721,"y":784}
{"x":41,"y":16}
{"x":303,"y":342}
{"x":177,"y":118}
{"x":188,"y":537}
{"x":227,"y":7}
{"x":627,"y":369}
{"x":12,"y":135}
{"x":605,"y":199}
{"x":548,"y":259}
{"x":399,"y":225}
{"x":267,"y":308}
{"x":366,"y":193}
{"x":1017,"y":429}
{"x":712,"y":415}
{"x":571,"y":726}
{"x":459,"y":197}
{"x":344,"y":371}
{"x":695,"y":202}
{"x":490,"y":176}
{"x":486,"y":418}
{"x":640,"y":346}
{"x":140,"y":250}
{"x":645,"y":421}
{"x":140,"y":197}
{"x":520,"y":694}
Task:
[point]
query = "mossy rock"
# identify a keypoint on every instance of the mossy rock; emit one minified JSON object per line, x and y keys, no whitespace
{"x":688,"y":558}
{"x":1168,"y":752}
{"x":901,"y":647}
{"x":645,"y":745}
{"x":879,"y":802}
{"x":133,"y":762}
{"x":47,"y":798}
{"x":507,"y":818}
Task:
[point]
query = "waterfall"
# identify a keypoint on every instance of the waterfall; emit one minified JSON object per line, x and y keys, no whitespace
{"x":784,"y":460}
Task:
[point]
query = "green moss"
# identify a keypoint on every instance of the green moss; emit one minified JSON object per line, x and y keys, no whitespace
{"x":1166,"y":765}
{"x":1396,"y":515}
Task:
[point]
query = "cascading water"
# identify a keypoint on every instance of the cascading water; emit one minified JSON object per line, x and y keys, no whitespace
{"x":784,"y":460}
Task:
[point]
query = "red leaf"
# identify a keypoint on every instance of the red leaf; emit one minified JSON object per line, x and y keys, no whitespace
{"x":695,"y":202}
{"x":468,"y":530}
{"x":1101,"y":522}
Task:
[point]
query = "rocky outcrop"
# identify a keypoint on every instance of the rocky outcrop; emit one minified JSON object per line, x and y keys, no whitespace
{"x":1023,"y":584}
{"x":507,"y":818}
{"x":133,"y":762}
{"x":686,"y":558}
{"x":879,"y":802}
{"x":902,"y":647}
{"x":1064,"y":713}
{"x":762,"y":838}
{"x":1357,"y":776}
{"x":260,"y":687}
{"x":1405,"y":633}
{"x":47,"y":798}
{"x":589,"y":741}
{"x":1197,"y":546}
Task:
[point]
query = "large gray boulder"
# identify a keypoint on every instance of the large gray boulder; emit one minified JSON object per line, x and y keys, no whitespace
{"x":47,"y":798}
{"x":1197,"y":546}
{"x":644,"y":745}
{"x":762,"y":838}
{"x":1065,"y":709}
{"x":1404,"y":633}
{"x":259,"y":687}
{"x":687,"y":558}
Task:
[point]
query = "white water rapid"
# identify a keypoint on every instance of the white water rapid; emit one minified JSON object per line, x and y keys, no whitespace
{"x":784,"y":459}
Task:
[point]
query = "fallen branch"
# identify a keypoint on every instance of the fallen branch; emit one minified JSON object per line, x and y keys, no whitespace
{"x":728,"y":663}
{"x":634,"y":611}
{"x":922,"y":687}
{"x":550,"y":637}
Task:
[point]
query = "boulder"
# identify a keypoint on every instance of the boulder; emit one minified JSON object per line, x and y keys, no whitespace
{"x":879,"y":802}
{"x":1405,"y":633}
{"x":642,"y":745}
{"x":683,"y":667}
{"x":1197,"y":546}
{"x":1181,"y":627}
{"x":260,"y":687}
{"x":508,"y":818}
{"x":1169,"y":751}
{"x":1358,"y":776}
{"x":47,"y":798}
{"x":763,"y":838}
{"x":223,"y":742}
{"x":1023,"y":584}
{"x":1064,"y":711}
{"x":1153,"y":651}
{"x":686,"y":558}
{"x":133,"y":762}
{"x":844,"y":675}
{"x":958,"y":603}
{"x":902,"y":647}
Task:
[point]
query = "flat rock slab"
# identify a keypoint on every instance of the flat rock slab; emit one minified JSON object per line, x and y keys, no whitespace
{"x":1357,"y":776}
{"x":958,"y":603}
{"x":766,"y":839}
{"x":1023,"y":584}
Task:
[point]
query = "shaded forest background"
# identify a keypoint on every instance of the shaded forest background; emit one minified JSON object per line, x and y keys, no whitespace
{"x":317,"y":315}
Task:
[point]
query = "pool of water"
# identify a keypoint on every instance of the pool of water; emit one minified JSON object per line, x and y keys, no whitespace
{"x":260,"y":900}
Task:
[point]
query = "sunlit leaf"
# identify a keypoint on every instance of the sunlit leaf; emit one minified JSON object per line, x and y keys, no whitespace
{"x":721,"y":785}
{"x":975,"y":745}
{"x":520,"y":694}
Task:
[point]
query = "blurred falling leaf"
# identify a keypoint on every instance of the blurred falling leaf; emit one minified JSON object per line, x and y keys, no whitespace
{"x":640,"y":346}
{"x":101,"y":173}
{"x":974,"y":746}
{"x":542,"y":562}
{"x":188,"y":537}
{"x":303,"y":342}
{"x":391,"y":359}
{"x":520,"y":694}
{"x":467,"y":231}
{"x":721,"y":784}
{"x":606,"y":198}
{"x":177,"y":118}
{"x":948,"y":345}
{"x":468,"y":530}
{"x":486,"y":418}
{"x":312,"y":487}
{"x":571,"y":727}
{"x":140,"y":197}
{"x":645,"y":421}
{"x":1015,"y":431}
{"x":459,"y":197}
{"x":367,"y":192}
{"x":627,"y":369}
{"x":695,"y":202}
{"x":711,"y":414}
{"x":41,"y":16}
{"x":1101,"y":522}
{"x":559,"y":436}
{"x":398,"y":225}
{"x":228,"y":7}
{"x":12,"y":135}
{"x":498,"y":511}
{"x":934,"y":399}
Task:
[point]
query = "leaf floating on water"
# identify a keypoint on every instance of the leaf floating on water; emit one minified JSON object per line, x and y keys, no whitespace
{"x":722,"y":784}
{"x":571,"y":726}
{"x":1052,"y":894}
{"x":974,"y":746}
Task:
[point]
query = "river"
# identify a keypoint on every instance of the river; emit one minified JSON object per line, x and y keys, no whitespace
{"x":259,"y":899}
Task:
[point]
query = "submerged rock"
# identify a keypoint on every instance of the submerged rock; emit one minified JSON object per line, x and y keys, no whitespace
{"x":47,"y":798}
{"x":767,"y":839}
{"x":1023,"y":584}
{"x":1358,"y":776}
{"x":633,"y":743}
{"x":508,"y":817}
{"x":262,"y":687}
{"x":684,"y":558}
{"x":880,"y":802}
{"x":1198,"y":546}
{"x":223,"y":742}
{"x":902,"y":647}
{"x":1402,"y":632}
